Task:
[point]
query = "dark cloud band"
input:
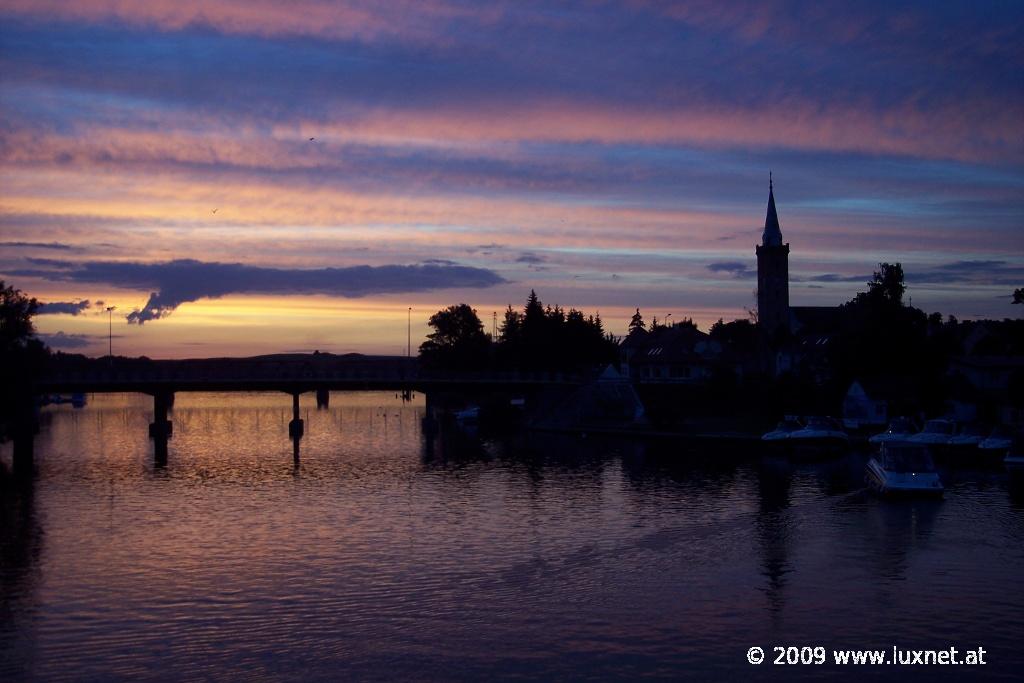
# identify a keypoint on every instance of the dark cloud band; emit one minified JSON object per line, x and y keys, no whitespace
{"x":65,"y":307}
{"x":182,"y":281}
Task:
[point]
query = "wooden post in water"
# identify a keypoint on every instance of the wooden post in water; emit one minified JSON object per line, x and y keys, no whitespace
{"x":296,"y":427}
{"x":160,"y":429}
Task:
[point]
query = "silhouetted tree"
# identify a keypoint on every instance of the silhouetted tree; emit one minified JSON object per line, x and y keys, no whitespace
{"x":548,"y":337}
{"x":458,"y":339}
{"x":22,"y":356}
{"x":886,"y":287}
{"x":16,"y":311}
{"x":880,"y":336}
{"x":511,"y":326}
{"x":1018,"y":295}
{"x":740,"y":335}
{"x":533,"y":314}
{"x":686,"y":322}
{"x":636,"y":322}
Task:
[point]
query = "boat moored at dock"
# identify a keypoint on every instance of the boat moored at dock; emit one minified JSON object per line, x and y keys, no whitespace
{"x":782,"y":430}
{"x":1014,"y":462}
{"x":962,"y":447}
{"x":899,"y":429}
{"x":996,"y":446}
{"x":936,"y":434}
{"x":820,"y":436}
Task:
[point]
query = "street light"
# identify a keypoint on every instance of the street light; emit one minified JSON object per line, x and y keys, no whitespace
{"x":110,"y":333}
{"x":667,"y":316}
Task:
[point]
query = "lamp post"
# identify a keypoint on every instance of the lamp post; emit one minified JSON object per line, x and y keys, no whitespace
{"x":408,"y":348}
{"x":110,"y":333}
{"x":667,"y":316}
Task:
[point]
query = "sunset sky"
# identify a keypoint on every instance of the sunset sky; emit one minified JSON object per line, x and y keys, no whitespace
{"x":255,"y":176}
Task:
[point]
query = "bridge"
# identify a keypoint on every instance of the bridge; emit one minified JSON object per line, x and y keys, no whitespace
{"x":293,"y":374}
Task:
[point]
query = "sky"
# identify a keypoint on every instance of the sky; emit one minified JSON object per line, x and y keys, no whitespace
{"x":239,"y":177}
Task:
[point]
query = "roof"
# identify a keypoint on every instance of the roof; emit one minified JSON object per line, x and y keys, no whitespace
{"x":888,"y":387}
{"x":671,"y":344}
{"x":772,"y":235}
{"x":815,"y":319}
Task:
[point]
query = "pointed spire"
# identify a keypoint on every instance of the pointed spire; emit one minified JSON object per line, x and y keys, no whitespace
{"x":772,"y":235}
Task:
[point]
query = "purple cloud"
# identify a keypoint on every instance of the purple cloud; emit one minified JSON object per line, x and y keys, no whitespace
{"x":187,"y":280}
{"x":65,"y":307}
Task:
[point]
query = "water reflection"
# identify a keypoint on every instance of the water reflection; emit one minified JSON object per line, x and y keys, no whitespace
{"x":773,"y":528}
{"x":385,"y":552}
{"x":21,"y":541}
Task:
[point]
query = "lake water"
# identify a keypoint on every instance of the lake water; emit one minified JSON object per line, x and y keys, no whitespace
{"x":538,"y":557}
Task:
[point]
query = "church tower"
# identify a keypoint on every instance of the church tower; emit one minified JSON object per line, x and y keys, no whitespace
{"x":772,"y":272}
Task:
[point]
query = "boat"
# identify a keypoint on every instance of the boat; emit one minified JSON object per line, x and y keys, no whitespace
{"x":899,"y":429}
{"x":996,"y":446}
{"x":467,"y":418}
{"x":819,"y":436}
{"x":1000,"y":439}
{"x":963,"y":445}
{"x":903,"y":469}
{"x":776,"y":442}
{"x":936,"y":433}
{"x":1014,"y":462}
{"x":782,"y":430}
{"x":969,"y":436}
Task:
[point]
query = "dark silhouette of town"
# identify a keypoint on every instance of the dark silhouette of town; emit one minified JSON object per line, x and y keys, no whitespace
{"x":865,"y":360}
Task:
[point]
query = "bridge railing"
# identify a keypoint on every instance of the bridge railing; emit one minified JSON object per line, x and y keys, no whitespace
{"x":165,"y":375}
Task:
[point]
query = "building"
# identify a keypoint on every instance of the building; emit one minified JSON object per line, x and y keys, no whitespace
{"x":873,"y":401}
{"x":797,"y":337}
{"x":772,"y":272}
{"x":676,"y":354}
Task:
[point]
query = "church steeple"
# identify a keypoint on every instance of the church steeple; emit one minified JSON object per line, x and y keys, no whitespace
{"x":772,"y":235}
{"x":772,"y":272}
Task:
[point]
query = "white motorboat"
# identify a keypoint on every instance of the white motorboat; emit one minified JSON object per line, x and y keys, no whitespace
{"x":782,"y":430}
{"x":969,"y":436}
{"x":963,"y":446}
{"x":899,"y":429}
{"x":1000,"y":439}
{"x":1014,"y":462}
{"x":821,"y":435}
{"x":935,"y":433}
{"x":467,"y":418}
{"x":903,"y":468}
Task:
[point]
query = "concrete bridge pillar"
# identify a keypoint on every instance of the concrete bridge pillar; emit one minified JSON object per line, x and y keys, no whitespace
{"x":430,"y":423}
{"x":323,"y":399}
{"x":161,"y":427}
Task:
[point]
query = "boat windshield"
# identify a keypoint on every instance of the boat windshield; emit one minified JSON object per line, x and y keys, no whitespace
{"x":939,"y":427}
{"x":973,"y":430}
{"x":900,"y":425}
{"x":908,"y":459}
{"x":821,"y":423}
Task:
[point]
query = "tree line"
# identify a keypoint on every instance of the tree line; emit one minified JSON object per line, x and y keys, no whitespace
{"x":538,"y":337}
